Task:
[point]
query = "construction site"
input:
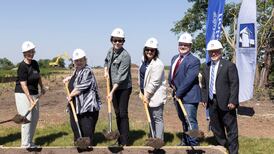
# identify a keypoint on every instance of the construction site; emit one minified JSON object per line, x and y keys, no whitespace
{"x":180,"y":77}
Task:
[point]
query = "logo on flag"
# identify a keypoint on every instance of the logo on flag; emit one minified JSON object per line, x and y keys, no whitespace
{"x":247,"y":36}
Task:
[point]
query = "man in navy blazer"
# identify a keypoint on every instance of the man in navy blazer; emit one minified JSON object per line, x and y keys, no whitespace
{"x":220,"y":90}
{"x":183,"y":79}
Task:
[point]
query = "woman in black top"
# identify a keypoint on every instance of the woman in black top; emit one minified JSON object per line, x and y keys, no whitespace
{"x":26,"y":93}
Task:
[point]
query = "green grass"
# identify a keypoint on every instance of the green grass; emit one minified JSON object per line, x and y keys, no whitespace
{"x":256,"y":145}
{"x":61,"y":135}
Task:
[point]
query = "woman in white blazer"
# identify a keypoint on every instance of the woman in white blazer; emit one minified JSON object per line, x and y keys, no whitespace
{"x":151,"y":79}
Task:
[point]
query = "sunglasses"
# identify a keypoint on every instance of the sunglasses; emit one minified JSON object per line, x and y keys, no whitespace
{"x":150,"y":49}
{"x":183,"y":44}
{"x":117,"y":40}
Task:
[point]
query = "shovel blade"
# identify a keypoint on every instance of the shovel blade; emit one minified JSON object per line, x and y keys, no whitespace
{"x":156,"y":143}
{"x":18,"y":119}
{"x":195,"y":133}
{"x":82,"y":142}
{"x":111,"y":135}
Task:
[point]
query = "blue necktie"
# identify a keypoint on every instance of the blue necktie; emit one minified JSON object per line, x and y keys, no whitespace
{"x":211,"y":80}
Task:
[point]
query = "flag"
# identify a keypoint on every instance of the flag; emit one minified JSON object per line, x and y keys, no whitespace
{"x":246,"y":48}
{"x":214,"y":21}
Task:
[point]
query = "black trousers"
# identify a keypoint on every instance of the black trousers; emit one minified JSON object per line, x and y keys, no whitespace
{"x":120,"y":103}
{"x":224,"y":126}
{"x":87,"y":122}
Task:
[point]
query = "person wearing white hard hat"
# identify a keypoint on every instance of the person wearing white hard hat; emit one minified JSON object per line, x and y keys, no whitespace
{"x":84,"y":94}
{"x":26,"y":93}
{"x":183,"y":79}
{"x":220,"y":88}
{"x":117,"y":71}
{"x":151,"y":80}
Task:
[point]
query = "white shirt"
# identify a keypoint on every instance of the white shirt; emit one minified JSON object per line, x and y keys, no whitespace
{"x":215,"y":74}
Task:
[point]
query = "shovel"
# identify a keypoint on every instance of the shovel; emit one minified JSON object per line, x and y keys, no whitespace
{"x":192,"y":132}
{"x":152,"y":142}
{"x":109,"y":134}
{"x":81,"y":142}
{"x":19,"y":119}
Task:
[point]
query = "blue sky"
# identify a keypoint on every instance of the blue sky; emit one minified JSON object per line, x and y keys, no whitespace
{"x":58,"y":26}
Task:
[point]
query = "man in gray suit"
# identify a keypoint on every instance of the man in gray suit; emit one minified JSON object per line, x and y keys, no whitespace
{"x":220,"y":89}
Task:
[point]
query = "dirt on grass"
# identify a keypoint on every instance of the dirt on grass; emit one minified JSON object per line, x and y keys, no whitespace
{"x":255,"y":118}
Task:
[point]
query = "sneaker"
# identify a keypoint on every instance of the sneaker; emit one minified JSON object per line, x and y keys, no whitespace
{"x":25,"y":146}
{"x":32,"y":145}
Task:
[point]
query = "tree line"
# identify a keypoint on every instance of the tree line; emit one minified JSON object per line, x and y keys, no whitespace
{"x":194,"y":21}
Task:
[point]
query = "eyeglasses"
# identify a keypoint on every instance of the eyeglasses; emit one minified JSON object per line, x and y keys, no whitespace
{"x":117,"y":40}
{"x":150,"y":49}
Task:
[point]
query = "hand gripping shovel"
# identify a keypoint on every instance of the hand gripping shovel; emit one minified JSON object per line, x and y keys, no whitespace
{"x":81,"y":142}
{"x":19,"y":119}
{"x":192,"y":132}
{"x":109,"y":134}
{"x":152,"y":142}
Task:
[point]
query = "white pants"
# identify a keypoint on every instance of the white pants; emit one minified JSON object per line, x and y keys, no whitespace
{"x":23,"y":105}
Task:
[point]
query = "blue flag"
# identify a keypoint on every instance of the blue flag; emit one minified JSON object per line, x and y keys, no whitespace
{"x":214,"y":21}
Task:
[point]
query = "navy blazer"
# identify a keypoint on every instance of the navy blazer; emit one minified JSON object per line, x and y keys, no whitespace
{"x":227,"y":84}
{"x":186,"y":79}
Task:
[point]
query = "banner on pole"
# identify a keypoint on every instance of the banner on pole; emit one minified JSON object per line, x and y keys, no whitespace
{"x":246,"y":48}
{"x":214,"y":21}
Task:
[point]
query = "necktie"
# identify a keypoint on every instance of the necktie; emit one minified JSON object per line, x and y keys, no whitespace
{"x":212,"y":75}
{"x":176,"y":68}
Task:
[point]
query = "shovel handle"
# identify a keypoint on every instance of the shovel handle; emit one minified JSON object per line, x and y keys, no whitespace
{"x":32,"y":106}
{"x":108,"y":91}
{"x":71,"y":104}
{"x":148,"y":117}
{"x":5,"y":121}
{"x":73,"y":111}
{"x":184,"y":111}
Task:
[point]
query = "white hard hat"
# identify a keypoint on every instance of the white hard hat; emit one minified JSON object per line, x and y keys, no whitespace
{"x":78,"y":53}
{"x":118,"y":32}
{"x":214,"y":45}
{"x":185,"y":38}
{"x":27,"y":45}
{"x":151,"y":43}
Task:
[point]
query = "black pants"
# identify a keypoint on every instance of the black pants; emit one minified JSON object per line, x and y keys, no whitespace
{"x":87,"y":122}
{"x":120,"y":103}
{"x":224,"y":126}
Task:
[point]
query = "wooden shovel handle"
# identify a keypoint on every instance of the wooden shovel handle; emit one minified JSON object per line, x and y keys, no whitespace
{"x":146,"y":109}
{"x":35,"y":102}
{"x":184,"y":111}
{"x":108,"y":91}
{"x":71,"y":104}
{"x":181,"y":105}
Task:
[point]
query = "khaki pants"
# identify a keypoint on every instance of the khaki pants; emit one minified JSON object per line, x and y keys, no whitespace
{"x":27,"y":130}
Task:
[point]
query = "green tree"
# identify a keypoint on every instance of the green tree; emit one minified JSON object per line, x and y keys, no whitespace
{"x":6,"y":64}
{"x":43,"y":63}
{"x":194,"y":22}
